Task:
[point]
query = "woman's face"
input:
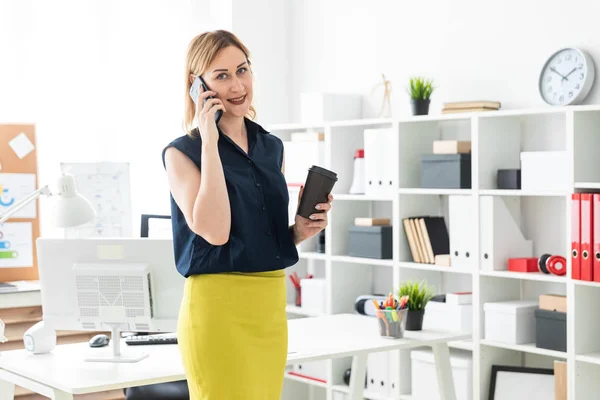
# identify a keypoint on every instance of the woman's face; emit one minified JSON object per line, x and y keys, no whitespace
{"x":229,"y":75}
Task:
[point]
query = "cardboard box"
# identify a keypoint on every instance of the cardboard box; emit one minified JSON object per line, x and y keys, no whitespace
{"x":553,"y":302}
{"x":371,"y":221}
{"x":560,"y":380}
{"x":451,"y":147}
{"x":442,"y":259}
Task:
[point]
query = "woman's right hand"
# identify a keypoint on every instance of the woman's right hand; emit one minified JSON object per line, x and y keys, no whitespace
{"x":205,"y":115}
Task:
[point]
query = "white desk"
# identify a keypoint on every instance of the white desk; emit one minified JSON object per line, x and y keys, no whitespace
{"x":63,"y":373}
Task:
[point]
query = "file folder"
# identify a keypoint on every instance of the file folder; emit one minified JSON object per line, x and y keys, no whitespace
{"x":575,"y":235}
{"x":596,"y":237}
{"x":377,"y":373}
{"x":462,"y":231}
{"x":586,"y":236}
{"x":500,"y":235}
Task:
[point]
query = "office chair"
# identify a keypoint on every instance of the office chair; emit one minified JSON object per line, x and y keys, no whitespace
{"x":177,"y":390}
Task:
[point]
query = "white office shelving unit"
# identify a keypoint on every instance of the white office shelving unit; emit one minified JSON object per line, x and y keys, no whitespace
{"x":497,"y":139}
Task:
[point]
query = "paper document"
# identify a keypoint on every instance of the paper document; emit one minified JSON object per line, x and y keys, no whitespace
{"x":160,"y":228}
{"x":14,"y":188}
{"x":106,"y":186}
{"x":21,"y":145}
{"x":16,"y":245}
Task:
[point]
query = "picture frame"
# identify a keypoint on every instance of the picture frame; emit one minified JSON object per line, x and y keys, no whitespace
{"x":518,"y":383}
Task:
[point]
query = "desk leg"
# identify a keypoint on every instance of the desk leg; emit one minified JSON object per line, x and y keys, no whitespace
{"x":443,"y":370}
{"x":60,"y":395}
{"x":7,"y":390}
{"x":357,"y":377}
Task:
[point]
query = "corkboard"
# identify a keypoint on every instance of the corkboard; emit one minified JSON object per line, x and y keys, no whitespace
{"x":11,"y":163}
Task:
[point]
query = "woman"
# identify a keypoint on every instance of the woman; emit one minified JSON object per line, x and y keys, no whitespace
{"x":231,"y":235}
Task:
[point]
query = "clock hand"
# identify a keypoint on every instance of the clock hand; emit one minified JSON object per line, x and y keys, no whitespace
{"x":555,"y":71}
{"x":573,"y":70}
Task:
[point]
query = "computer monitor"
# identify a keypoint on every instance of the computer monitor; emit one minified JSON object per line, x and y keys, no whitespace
{"x":156,"y":226}
{"x":101,"y":284}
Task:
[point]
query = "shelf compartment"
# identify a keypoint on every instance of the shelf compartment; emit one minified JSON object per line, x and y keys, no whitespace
{"x":590,"y":358}
{"x":587,"y":185}
{"x":502,"y":139}
{"x":526,"y":348}
{"x":305,"y":380}
{"x":311,"y":255}
{"x":363,"y":260}
{"x":360,"y":197}
{"x":433,"y":267}
{"x":433,"y":192}
{"x":586,"y":283}
{"x":522,"y":193}
{"x":530,"y":276}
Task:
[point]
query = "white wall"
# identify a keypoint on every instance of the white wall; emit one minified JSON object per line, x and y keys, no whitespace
{"x":264,"y":27}
{"x":473,"y":49}
{"x":103,"y":81}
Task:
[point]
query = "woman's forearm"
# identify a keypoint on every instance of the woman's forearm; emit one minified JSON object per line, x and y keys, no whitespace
{"x":212,"y":212}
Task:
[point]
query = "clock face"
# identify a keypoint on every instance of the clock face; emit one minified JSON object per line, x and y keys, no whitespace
{"x":567,"y":77}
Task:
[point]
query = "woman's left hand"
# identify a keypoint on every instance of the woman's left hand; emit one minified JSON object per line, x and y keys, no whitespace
{"x":306,"y":228}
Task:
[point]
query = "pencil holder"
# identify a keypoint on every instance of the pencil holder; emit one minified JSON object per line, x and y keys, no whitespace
{"x":298,"y":297}
{"x":392,"y":323}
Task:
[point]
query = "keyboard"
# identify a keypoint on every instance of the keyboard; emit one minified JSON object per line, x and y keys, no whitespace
{"x":161,"y":338}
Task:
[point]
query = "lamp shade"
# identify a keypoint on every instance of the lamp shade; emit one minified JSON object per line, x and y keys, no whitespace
{"x":71,"y":208}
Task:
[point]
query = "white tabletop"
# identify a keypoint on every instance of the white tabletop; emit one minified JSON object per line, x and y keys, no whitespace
{"x":309,"y":339}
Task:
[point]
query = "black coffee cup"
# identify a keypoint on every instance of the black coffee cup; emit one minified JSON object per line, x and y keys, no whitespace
{"x":319,"y":183}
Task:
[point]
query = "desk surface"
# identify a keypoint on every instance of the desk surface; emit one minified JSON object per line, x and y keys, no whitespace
{"x":316,"y":338}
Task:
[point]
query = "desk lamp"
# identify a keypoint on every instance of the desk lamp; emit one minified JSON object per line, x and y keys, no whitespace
{"x":72,"y":209}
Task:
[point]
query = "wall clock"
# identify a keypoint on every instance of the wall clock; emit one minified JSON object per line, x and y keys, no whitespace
{"x":567,"y":77}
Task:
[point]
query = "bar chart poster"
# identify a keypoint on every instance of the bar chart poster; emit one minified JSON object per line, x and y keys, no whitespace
{"x":15,"y":187}
{"x":16,"y":245}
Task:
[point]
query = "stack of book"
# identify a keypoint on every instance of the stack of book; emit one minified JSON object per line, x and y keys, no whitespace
{"x":470,"y":106}
{"x":428,"y":239}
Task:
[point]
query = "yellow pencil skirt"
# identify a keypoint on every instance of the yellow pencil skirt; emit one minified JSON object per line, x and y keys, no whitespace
{"x":232,"y":335}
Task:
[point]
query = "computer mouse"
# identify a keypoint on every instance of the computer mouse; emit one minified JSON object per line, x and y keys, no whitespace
{"x":99,"y":341}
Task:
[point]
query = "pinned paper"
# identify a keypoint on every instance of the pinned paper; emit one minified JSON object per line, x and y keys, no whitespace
{"x":21,"y":145}
{"x":16,"y":245}
{"x":15,"y":187}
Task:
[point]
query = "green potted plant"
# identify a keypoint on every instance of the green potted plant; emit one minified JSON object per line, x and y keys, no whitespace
{"x":420,"y":94}
{"x":419,"y":294}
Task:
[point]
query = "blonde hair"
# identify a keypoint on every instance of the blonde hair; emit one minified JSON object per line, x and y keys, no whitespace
{"x":201,"y":52}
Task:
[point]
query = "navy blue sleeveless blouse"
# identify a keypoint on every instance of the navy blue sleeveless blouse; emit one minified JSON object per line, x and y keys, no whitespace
{"x":260,"y":238}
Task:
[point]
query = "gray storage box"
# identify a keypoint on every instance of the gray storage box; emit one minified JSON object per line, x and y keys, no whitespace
{"x":370,"y":241}
{"x":551,"y":330}
{"x":446,"y":171}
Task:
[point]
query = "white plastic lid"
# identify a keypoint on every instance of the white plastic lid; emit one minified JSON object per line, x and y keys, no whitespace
{"x":458,"y":358}
{"x":512,"y":307}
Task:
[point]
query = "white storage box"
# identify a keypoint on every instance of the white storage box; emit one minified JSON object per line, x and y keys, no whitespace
{"x":339,"y":395}
{"x":316,"y":370}
{"x":299,"y":157}
{"x":320,"y":107}
{"x":424,"y":378}
{"x":544,"y":170}
{"x":510,"y":321}
{"x":313,"y":295}
{"x":448,"y":317}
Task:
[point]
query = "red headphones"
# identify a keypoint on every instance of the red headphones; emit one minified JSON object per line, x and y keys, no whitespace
{"x":549,"y":264}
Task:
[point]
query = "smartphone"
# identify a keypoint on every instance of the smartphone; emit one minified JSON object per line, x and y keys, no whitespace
{"x":195,"y":90}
